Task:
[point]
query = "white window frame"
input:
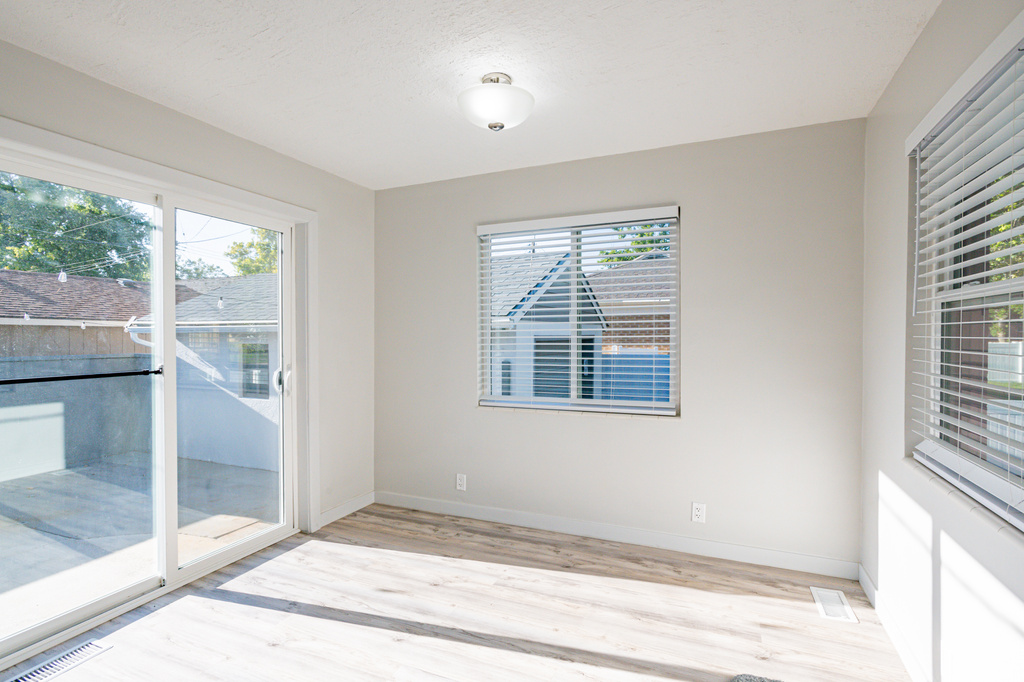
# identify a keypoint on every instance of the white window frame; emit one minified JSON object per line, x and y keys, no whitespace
{"x":570,"y":223}
{"x":996,"y":493}
{"x":55,"y":158}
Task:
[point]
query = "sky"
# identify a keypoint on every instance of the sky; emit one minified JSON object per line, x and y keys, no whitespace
{"x":202,"y":237}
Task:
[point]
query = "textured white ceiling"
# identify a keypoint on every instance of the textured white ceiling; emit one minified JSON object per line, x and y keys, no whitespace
{"x":367,"y":90}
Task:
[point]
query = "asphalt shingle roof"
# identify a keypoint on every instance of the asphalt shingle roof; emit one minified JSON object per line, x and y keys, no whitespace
{"x":248,"y":298}
{"x":42,"y":296}
{"x":647,"y":276}
{"x":513,"y":277}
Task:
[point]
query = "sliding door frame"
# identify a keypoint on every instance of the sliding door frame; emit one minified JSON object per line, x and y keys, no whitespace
{"x":171,"y":566}
{"x":52,"y":157}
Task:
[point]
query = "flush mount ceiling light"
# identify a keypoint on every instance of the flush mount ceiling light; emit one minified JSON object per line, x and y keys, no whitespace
{"x":496,"y":103}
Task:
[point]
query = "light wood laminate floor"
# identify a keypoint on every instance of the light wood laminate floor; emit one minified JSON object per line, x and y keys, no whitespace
{"x":393,"y":594}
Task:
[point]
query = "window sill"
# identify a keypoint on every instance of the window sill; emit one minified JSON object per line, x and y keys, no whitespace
{"x":580,"y":410}
{"x":969,"y":485}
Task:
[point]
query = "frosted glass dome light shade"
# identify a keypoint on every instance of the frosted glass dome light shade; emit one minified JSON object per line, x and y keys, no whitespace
{"x":496,"y":103}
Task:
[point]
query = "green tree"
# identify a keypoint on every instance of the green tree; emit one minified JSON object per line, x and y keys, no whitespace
{"x":186,"y":268}
{"x":46,"y":227}
{"x":642,"y":238}
{"x":257,"y":255}
{"x":1011,"y":261}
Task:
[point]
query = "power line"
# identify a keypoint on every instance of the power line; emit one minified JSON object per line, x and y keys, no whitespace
{"x":212,"y":239}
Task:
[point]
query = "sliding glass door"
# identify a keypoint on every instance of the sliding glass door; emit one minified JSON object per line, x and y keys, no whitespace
{"x":76,"y":400}
{"x":230,"y":378}
{"x":144,"y":396}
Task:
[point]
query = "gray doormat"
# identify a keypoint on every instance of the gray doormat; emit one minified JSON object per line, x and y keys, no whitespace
{"x":752,"y":678}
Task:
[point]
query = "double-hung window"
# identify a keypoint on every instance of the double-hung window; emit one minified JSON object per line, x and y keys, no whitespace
{"x":968,"y":350}
{"x":581,"y":312}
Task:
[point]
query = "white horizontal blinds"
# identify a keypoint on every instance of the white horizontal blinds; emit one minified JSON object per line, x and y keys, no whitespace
{"x":581,"y":317}
{"x":969,"y":192}
{"x":969,"y":269}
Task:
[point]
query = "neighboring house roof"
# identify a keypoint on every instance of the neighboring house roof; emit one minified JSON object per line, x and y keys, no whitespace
{"x":247,"y":299}
{"x":514,"y":278}
{"x":520,"y":282}
{"x":645,"y":277}
{"x":43,"y":297}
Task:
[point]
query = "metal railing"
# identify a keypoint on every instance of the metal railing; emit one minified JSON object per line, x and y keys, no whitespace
{"x":76,"y":377}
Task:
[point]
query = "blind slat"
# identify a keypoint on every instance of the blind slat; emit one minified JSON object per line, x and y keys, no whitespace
{"x":993,"y":453}
{"x":988,"y":222}
{"x":998,"y":419}
{"x":983,"y":144}
{"x":961,"y":187}
{"x":980,"y":432}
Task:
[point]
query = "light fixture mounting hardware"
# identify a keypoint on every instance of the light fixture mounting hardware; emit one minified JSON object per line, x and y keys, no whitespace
{"x":497,"y":77}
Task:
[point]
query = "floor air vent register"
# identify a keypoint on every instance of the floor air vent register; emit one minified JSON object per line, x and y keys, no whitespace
{"x":66,"y":661}
{"x":832,"y":604}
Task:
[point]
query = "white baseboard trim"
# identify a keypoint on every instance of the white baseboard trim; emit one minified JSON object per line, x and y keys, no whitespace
{"x":636,"y":536}
{"x":867,"y":584}
{"x":346,"y":508}
{"x":917,"y":671}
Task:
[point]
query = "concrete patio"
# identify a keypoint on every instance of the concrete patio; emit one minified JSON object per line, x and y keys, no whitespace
{"x":70,"y":536}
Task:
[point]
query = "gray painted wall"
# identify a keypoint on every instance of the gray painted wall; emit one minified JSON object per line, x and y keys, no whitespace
{"x":950,"y":583}
{"x":769,"y":437}
{"x":39,"y":92}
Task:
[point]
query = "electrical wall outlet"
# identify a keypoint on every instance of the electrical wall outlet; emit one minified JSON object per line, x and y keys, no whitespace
{"x":460,"y":482}
{"x":700,"y":513}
